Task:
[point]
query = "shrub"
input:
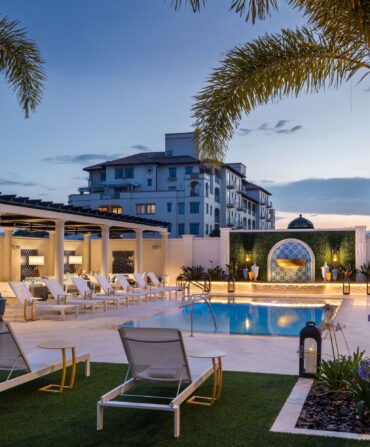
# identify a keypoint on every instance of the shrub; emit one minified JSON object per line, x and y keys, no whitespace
{"x":193,"y":273}
{"x":216,"y":272}
{"x":360,"y":386}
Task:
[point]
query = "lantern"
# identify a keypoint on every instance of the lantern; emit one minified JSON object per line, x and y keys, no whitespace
{"x":231,"y":285}
{"x":367,"y":287}
{"x":335,"y":256}
{"x":309,"y":350}
{"x":248,"y":257}
{"x":346,"y":286}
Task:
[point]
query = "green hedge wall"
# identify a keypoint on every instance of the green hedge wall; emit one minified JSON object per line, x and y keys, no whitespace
{"x":322,"y":244}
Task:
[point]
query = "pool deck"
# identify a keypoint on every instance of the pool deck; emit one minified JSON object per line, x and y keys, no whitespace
{"x":97,"y":334}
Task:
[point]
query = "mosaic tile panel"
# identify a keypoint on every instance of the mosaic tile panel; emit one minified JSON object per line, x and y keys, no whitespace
{"x":26,"y":269}
{"x":291,"y":250}
{"x":123,"y":261}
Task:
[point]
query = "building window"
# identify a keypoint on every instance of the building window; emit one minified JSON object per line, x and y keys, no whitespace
{"x":194,"y":207}
{"x":210,"y":210}
{"x":181,"y":229}
{"x":124,"y":173}
{"x":169,"y":228}
{"x":149,"y":182}
{"x":194,"y":229}
{"x":207,"y":208}
{"x":116,"y":210}
{"x":206,"y":228}
{"x":103,"y":176}
{"x":188,"y":169}
{"x":172,"y":188}
{"x":145,"y":208}
{"x":172,"y":173}
{"x":181,"y":208}
{"x":103,"y":209}
{"x":207,"y":189}
{"x":169,"y":207}
{"x":253,"y":225}
{"x":169,"y":153}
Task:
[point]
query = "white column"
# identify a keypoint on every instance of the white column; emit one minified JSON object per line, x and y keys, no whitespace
{"x":51,"y":254}
{"x":7,"y":255}
{"x":139,"y":251}
{"x":224,"y":247}
{"x":165,"y":253}
{"x":104,"y":268}
{"x":361,"y":255}
{"x":59,"y":251}
{"x":187,"y":250}
{"x":86,"y":253}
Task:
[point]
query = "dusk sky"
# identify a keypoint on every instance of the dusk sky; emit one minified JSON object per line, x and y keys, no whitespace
{"x":122,"y":73}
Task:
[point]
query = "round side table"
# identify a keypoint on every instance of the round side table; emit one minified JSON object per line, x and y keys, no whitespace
{"x":216,"y":357}
{"x":62,"y":346}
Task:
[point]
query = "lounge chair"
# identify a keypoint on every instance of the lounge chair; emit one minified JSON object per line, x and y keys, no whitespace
{"x":17,"y":368}
{"x":123,"y":282}
{"x":110,"y":290}
{"x":157,"y":357}
{"x":169,"y":289}
{"x":59,"y":294}
{"x":24,"y":296}
{"x":140,"y":281}
{"x":85,"y":291}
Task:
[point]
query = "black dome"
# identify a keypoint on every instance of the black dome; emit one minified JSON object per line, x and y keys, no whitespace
{"x":300,"y":222}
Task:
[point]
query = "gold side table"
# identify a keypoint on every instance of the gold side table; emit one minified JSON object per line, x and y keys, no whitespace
{"x":216,"y":357}
{"x":62,"y":346}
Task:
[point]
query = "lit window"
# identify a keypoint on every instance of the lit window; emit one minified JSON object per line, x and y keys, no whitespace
{"x":194,"y":207}
{"x":103,"y":209}
{"x":145,"y":208}
{"x":116,"y":210}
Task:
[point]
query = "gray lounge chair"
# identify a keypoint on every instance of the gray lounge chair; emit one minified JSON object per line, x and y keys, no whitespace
{"x":156,"y":356}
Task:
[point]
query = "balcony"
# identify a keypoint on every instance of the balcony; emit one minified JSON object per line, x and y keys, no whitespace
{"x":231,"y":186}
{"x":231,"y":204}
{"x":242,"y":208}
{"x":269,"y":204}
{"x":171,"y":179}
{"x":262,"y":218}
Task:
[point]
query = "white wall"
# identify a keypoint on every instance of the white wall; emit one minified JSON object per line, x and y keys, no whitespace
{"x":368,"y":247}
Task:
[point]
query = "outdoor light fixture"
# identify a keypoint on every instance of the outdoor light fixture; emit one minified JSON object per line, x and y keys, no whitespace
{"x":248,"y":257}
{"x":346,"y":286}
{"x":335,"y":256}
{"x":309,"y":350}
{"x":75,"y":260}
{"x":36,"y":261}
{"x":231,"y":285}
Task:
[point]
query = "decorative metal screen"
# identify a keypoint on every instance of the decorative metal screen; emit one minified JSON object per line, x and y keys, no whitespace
{"x":68,"y":268}
{"x":123,"y":262}
{"x":26,"y":269}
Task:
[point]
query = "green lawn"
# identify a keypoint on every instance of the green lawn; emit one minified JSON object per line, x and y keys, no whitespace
{"x":248,"y":407}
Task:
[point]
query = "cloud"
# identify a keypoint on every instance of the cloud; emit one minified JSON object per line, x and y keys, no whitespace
{"x":333,"y":195}
{"x":82,"y":158}
{"x":6,"y":182}
{"x":141,"y":147}
{"x":280,"y":128}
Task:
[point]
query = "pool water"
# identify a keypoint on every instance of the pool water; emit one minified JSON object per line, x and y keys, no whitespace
{"x":252,"y":319}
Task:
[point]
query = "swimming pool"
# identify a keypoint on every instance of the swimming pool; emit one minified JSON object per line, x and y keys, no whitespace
{"x":239,"y":318}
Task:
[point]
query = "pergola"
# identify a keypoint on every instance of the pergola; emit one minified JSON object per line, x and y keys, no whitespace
{"x":59,"y":219}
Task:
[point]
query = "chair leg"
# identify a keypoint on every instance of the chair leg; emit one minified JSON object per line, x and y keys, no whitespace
{"x":176,"y":428}
{"x":99,"y":417}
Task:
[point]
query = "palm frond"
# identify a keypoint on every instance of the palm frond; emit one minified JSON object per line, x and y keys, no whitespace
{"x":338,"y":17}
{"x":253,"y":9}
{"x":265,"y":70}
{"x":195,"y":5}
{"x":21,"y":63}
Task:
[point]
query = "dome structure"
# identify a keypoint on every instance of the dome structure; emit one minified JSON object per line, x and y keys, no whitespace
{"x":300,"y":223}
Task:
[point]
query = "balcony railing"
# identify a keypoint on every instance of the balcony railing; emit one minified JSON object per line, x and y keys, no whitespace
{"x":231,"y":204}
{"x":231,"y":186}
{"x":269,"y":204}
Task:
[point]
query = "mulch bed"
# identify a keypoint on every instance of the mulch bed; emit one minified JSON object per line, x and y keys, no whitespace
{"x":324,"y":410}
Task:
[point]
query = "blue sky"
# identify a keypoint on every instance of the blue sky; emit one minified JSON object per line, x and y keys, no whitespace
{"x":122,"y":73}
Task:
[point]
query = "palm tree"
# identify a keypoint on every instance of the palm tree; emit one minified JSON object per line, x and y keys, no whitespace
{"x":21,"y":63}
{"x":331,"y":49}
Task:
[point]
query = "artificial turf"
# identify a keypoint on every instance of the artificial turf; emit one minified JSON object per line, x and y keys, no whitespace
{"x":243,"y":417}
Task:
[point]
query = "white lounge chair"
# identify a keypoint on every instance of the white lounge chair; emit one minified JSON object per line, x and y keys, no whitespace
{"x":85,"y":291}
{"x":123,"y":282}
{"x":169,"y":289}
{"x":59,"y":294}
{"x":140,"y":281}
{"x":110,"y":290}
{"x":24,"y":296}
{"x":156,"y":356}
{"x":17,"y":368}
